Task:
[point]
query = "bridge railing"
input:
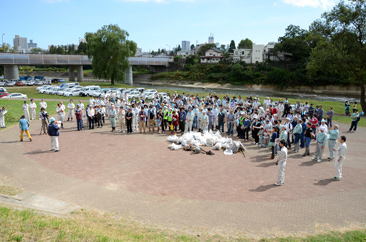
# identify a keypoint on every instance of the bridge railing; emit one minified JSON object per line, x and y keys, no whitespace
{"x":49,"y":59}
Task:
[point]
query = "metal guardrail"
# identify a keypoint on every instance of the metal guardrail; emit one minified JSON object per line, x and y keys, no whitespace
{"x":38,"y":59}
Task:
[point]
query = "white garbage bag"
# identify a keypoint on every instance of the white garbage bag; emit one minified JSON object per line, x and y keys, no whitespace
{"x":228,"y":152}
{"x":174,"y":147}
{"x":217,"y":146}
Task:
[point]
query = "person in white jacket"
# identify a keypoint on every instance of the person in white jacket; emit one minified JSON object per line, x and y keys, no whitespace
{"x":341,"y":153}
{"x":33,"y":107}
{"x":60,"y":113}
{"x":25,"y":108}
{"x":71,"y":107}
{"x":281,"y":164}
{"x":43,"y":104}
{"x":2,"y":117}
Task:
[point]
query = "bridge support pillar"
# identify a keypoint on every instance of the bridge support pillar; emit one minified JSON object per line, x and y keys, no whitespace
{"x":11,"y":72}
{"x":71,"y":73}
{"x":80,"y":73}
{"x":129,"y":77}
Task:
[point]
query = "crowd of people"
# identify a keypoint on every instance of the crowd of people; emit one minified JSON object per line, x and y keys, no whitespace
{"x":267,"y":123}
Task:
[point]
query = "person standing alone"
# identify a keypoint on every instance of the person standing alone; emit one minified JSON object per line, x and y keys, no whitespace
{"x":53,"y":132}
{"x":281,"y":164}
{"x":24,"y":127}
{"x":340,"y":157}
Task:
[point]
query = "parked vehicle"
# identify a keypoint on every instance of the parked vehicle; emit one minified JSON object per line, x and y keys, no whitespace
{"x":86,"y":91}
{"x":54,"y":91}
{"x":72,"y":84}
{"x":57,"y":80}
{"x":29,"y":83}
{"x":3,"y":94}
{"x":38,"y":83}
{"x":46,"y":90}
{"x":15,"y":95}
{"x":2,"y":89}
{"x":19,"y":83}
{"x":9,"y":83}
{"x":2,"y":83}
{"x":133,"y":94}
{"x":72,"y":92}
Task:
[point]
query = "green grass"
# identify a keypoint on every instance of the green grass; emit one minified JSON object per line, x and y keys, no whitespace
{"x":27,"y":225}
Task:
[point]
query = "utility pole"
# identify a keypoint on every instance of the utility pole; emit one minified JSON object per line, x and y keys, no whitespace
{"x":2,"y":40}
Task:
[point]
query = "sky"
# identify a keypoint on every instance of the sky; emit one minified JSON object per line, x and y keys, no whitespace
{"x":155,"y":24}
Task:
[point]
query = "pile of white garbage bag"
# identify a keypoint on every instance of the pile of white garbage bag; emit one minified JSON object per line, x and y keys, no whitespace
{"x":195,"y":141}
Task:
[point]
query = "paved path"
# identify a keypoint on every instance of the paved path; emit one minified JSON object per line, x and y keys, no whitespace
{"x":138,"y":177}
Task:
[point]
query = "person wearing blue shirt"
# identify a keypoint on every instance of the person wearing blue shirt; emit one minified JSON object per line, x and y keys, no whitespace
{"x":321,"y":140}
{"x":53,"y":132}
{"x":297,"y":133}
{"x":332,"y":141}
{"x":24,"y":127}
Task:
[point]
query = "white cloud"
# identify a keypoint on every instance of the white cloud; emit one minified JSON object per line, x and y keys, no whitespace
{"x":311,"y":3}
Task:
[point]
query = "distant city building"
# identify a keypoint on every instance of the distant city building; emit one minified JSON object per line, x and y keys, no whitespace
{"x":20,"y":43}
{"x":31,"y":44}
{"x":212,"y":55}
{"x":186,"y":45}
{"x":211,"y":39}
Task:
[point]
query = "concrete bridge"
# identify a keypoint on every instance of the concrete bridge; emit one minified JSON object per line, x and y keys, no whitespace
{"x":11,"y":62}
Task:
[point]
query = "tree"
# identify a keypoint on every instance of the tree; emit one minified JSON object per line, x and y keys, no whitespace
{"x":203,"y":48}
{"x":223,"y":48}
{"x":36,"y":50}
{"x":6,"y":48}
{"x":81,"y":48}
{"x":232,"y":46}
{"x":342,"y":43}
{"x":295,"y":41}
{"x":179,"y":48}
{"x":245,"y":44}
{"x":192,"y":47}
{"x":109,"y":50}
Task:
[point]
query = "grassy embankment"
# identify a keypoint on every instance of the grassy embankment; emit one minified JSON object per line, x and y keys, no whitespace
{"x":338,"y":107}
{"x":27,"y":225}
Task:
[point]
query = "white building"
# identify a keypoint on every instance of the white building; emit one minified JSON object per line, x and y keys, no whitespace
{"x":20,"y":43}
{"x":257,"y":54}
{"x":244,"y":55}
{"x":211,"y":39}
{"x":212,"y":55}
{"x":186,"y":45}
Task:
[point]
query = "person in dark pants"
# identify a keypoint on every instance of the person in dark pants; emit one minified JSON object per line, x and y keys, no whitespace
{"x":355,"y":118}
{"x":129,"y":121}
{"x":256,"y":128}
{"x":221,"y":119}
{"x":91,"y":117}
{"x":273,"y":141}
{"x":79,"y":117}
{"x":182,"y":119}
{"x":246,"y":128}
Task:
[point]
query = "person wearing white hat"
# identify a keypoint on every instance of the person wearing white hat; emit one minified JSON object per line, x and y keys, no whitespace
{"x":25,"y":108}
{"x":323,"y":124}
{"x":321,"y":141}
{"x":53,"y":132}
